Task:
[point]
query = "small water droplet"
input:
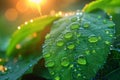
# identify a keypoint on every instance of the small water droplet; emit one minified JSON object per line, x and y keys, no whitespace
{"x":74,"y":19}
{"x":81,"y":60}
{"x":68,"y":35}
{"x":71,"y":46}
{"x":26,"y":23}
{"x":46,"y":55}
{"x":57,"y":78}
{"x":47,"y":36}
{"x":52,"y":73}
{"x":65,"y":62}
{"x":107,"y":32}
{"x":99,"y":17}
{"x":71,"y":66}
{"x":111,"y":25}
{"x":86,"y":25}
{"x":19,"y":27}
{"x":78,"y":75}
{"x":74,"y":26}
{"x":87,"y":52}
{"x":60,"y":43}
{"x":50,"y":64}
{"x":107,"y":42}
{"x":78,"y":35}
{"x":92,"y":39}
{"x":104,"y":21}
{"x":93,"y":51}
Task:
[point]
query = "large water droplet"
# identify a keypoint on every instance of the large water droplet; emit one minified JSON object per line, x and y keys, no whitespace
{"x":57,"y":78}
{"x":65,"y":62}
{"x":46,"y":55}
{"x":86,"y":25}
{"x":74,"y":26}
{"x":60,"y":43}
{"x":71,"y":46}
{"x":92,"y":39}
{"x":50,"y":64}
{"x":81,"y":60}
{"x":68,"y":35}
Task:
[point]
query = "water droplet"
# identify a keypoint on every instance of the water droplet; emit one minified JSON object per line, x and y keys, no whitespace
{"x":86,"y":25}
{"x":74,"y":19}
{"x":50,"y":64}
{"x":71,"y":46}
{"x":74,"y":26}
{"x":47,"y":36}
{"x":107,"y":42}
{"x":19,"y":27}
{"x":111,"y":25}
{"x":78,"y":75}
{"x":104,"y":21}
{"x":81,"y":60}
{"x":46,"y":55}
{"x":92,"y":39}
{"x":31,"y":20}
{"x":99,"y":17}
{"x":60,"y":43}
{"x":107,"y":32}
{"x":71,"y":66}
{"x":68,"y":35}
{"x":87,"y":52}
{"x":111,"y":35}
{"x":57,"y":78}
{"x":93,"y":51}
{"x":65,"y":62}
{"x":26,"y":23}
{"x":78,"y":35}
{"x":52,"y":73}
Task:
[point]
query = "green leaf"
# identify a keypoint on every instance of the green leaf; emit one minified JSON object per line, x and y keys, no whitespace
{"x":18,"y":66}
{"x":102,"y":4}
{"x":78,"y":46}
{"x":38,"y":24}
{"x":114,"y":75}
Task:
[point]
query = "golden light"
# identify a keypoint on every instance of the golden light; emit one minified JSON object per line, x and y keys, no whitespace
{"x":36,"y":1}
{"x":37,"y":4}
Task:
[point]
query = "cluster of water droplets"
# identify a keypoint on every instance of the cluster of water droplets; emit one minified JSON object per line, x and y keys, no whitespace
{"x":68,"y":40}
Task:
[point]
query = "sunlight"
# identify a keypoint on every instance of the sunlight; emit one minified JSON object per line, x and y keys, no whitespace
{"x":36,"y":1}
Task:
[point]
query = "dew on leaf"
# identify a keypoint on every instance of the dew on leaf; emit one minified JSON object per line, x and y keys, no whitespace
{"x":57,"y":78}
{"x":87,"y":52}
{"x":65,"y":62}
{"x":78,"y":75}
{"x":104,"y":21}
{"x":74,"y":26}
{"x":47,"y":36}
{"x":50,"y":64}
{"x":86,"y":25}
{"x":68,"y":35}
{"x":74,"y":19}
{"x":81,"y":60}
{"x":60,"y":43}
{"x":99,"y":17}
{"x":92,"y":38}
{"x":107,"y":42}
{"x":71,"y":46}
{"x":46,"y":55}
